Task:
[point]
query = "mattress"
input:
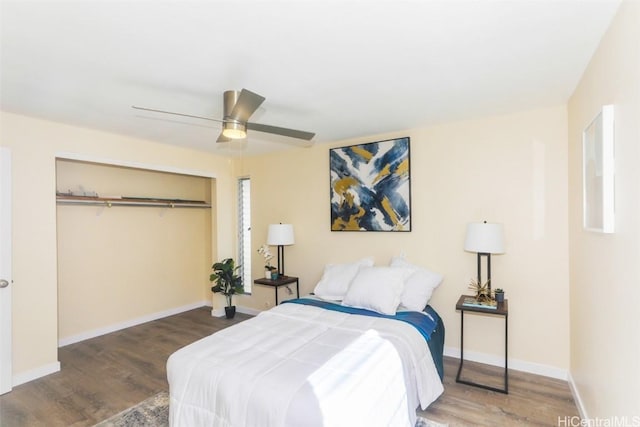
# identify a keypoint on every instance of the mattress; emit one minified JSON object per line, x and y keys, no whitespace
{"x":304,"y":365}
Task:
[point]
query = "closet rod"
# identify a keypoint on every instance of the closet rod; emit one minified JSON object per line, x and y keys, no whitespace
{"x":96,"y":201}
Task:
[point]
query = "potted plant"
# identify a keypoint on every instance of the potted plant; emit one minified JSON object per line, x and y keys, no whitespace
{"x":270,"y":272}
{"x":268,"y":256}
{"x":227,"y":282}
{"x":499,"y":295}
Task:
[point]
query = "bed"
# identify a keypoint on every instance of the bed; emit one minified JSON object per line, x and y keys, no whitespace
{"x":311,"y":362}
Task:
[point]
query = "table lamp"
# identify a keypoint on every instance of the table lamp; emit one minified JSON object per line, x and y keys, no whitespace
{"x":485,"y":239}
{"x":280,"y":235}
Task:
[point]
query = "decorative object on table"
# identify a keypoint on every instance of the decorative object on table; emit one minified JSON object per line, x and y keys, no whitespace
{"x":480,"y":303}
{"x":499,"y":295}
{"x":227,"y":282}
{"x":280,"y":235}
{"x":371,"y":186}
{"x":598,"y":173}
{"x":485,"y":239}
{"x":274,"y":275}
{"x":481,"y":290}
{"x":268,"y":256}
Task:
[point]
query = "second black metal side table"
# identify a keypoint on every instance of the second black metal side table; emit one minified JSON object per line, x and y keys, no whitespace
{"x":501,"y":310}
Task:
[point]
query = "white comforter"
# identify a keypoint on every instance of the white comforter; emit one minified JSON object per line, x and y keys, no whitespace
{"x":298,"y":365}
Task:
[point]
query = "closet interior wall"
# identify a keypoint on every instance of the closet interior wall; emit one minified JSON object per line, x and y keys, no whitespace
{"x":122,"y":263}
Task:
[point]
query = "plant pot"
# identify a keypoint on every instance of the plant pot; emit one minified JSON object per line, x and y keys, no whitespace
{"x":230,"y":312}
{"x":267,"y":274}
{"x":500,"y":297}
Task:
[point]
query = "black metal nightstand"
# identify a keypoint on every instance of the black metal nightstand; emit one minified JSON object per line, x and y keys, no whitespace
{"x":280,"y":281}
{"x":501,"y":310}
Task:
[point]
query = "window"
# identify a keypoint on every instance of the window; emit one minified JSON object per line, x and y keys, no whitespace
{"x":244,"y":231}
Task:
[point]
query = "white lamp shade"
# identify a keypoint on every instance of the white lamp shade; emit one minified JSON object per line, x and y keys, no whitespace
{"x":280,"y":234}
{"x":484,"y":238}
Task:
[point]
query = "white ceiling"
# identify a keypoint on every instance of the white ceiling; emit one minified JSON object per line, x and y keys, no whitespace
{"x":341,"y":69}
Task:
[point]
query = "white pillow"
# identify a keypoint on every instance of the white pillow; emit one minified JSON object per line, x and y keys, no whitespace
{"x":377,"y":289}
{"x":336,"y":279}
{"x":418,"y":286}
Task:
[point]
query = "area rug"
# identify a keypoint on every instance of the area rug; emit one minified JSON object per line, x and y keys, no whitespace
{"x":154,"y":412}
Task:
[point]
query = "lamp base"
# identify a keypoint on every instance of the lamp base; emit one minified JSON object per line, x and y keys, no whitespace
{"x":281,"y":260}
{"x":488,"y":255}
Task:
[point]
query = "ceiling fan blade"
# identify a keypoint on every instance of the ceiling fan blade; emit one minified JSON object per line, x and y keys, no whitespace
{"x":247,"y":103}
{"x":177,"y":114}
{"x":281,"y":131}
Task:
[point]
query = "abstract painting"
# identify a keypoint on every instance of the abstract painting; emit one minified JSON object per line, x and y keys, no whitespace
{"x":371,"y":186}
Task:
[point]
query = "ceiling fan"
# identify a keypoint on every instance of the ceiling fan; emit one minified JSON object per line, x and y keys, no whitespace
{"x":238,"y":106}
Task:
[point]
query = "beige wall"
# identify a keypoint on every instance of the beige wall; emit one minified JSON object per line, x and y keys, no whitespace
{"x":34,"y":145}
{"x":604,"y":268}
{"x":509,"y":169}
{"x":127,"y":262}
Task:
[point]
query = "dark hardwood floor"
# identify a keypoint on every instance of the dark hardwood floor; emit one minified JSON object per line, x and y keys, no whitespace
{"x":108,"y":374}
{"x":533,"y":400}
{"x":105,"y":375}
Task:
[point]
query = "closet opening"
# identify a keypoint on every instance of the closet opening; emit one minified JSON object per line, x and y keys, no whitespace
{"x":133,"y":245}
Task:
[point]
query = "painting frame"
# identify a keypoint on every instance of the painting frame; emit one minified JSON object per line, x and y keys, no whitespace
{"x":598,"y":164}
{"x":370,"y":186}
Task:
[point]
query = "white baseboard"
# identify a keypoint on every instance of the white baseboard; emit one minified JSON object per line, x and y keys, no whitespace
{"x":51,"y":368}
{"x":129,"y":323}
{"x":576,"y":398}
{"x":515,"y":364}
{"x":33,"y":374}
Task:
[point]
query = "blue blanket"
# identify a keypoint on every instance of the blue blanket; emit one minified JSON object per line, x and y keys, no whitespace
{"x":423,"y":322}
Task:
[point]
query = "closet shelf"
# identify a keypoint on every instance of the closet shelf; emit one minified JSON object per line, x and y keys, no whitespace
{"x":130,"y":201}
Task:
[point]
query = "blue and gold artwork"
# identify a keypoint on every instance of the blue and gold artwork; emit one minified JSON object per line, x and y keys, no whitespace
{"x":371,"y":186}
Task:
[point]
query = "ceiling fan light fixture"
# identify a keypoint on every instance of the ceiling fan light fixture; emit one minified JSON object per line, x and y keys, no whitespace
{"x":238,"y":106}
{"x":234,"y":130}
